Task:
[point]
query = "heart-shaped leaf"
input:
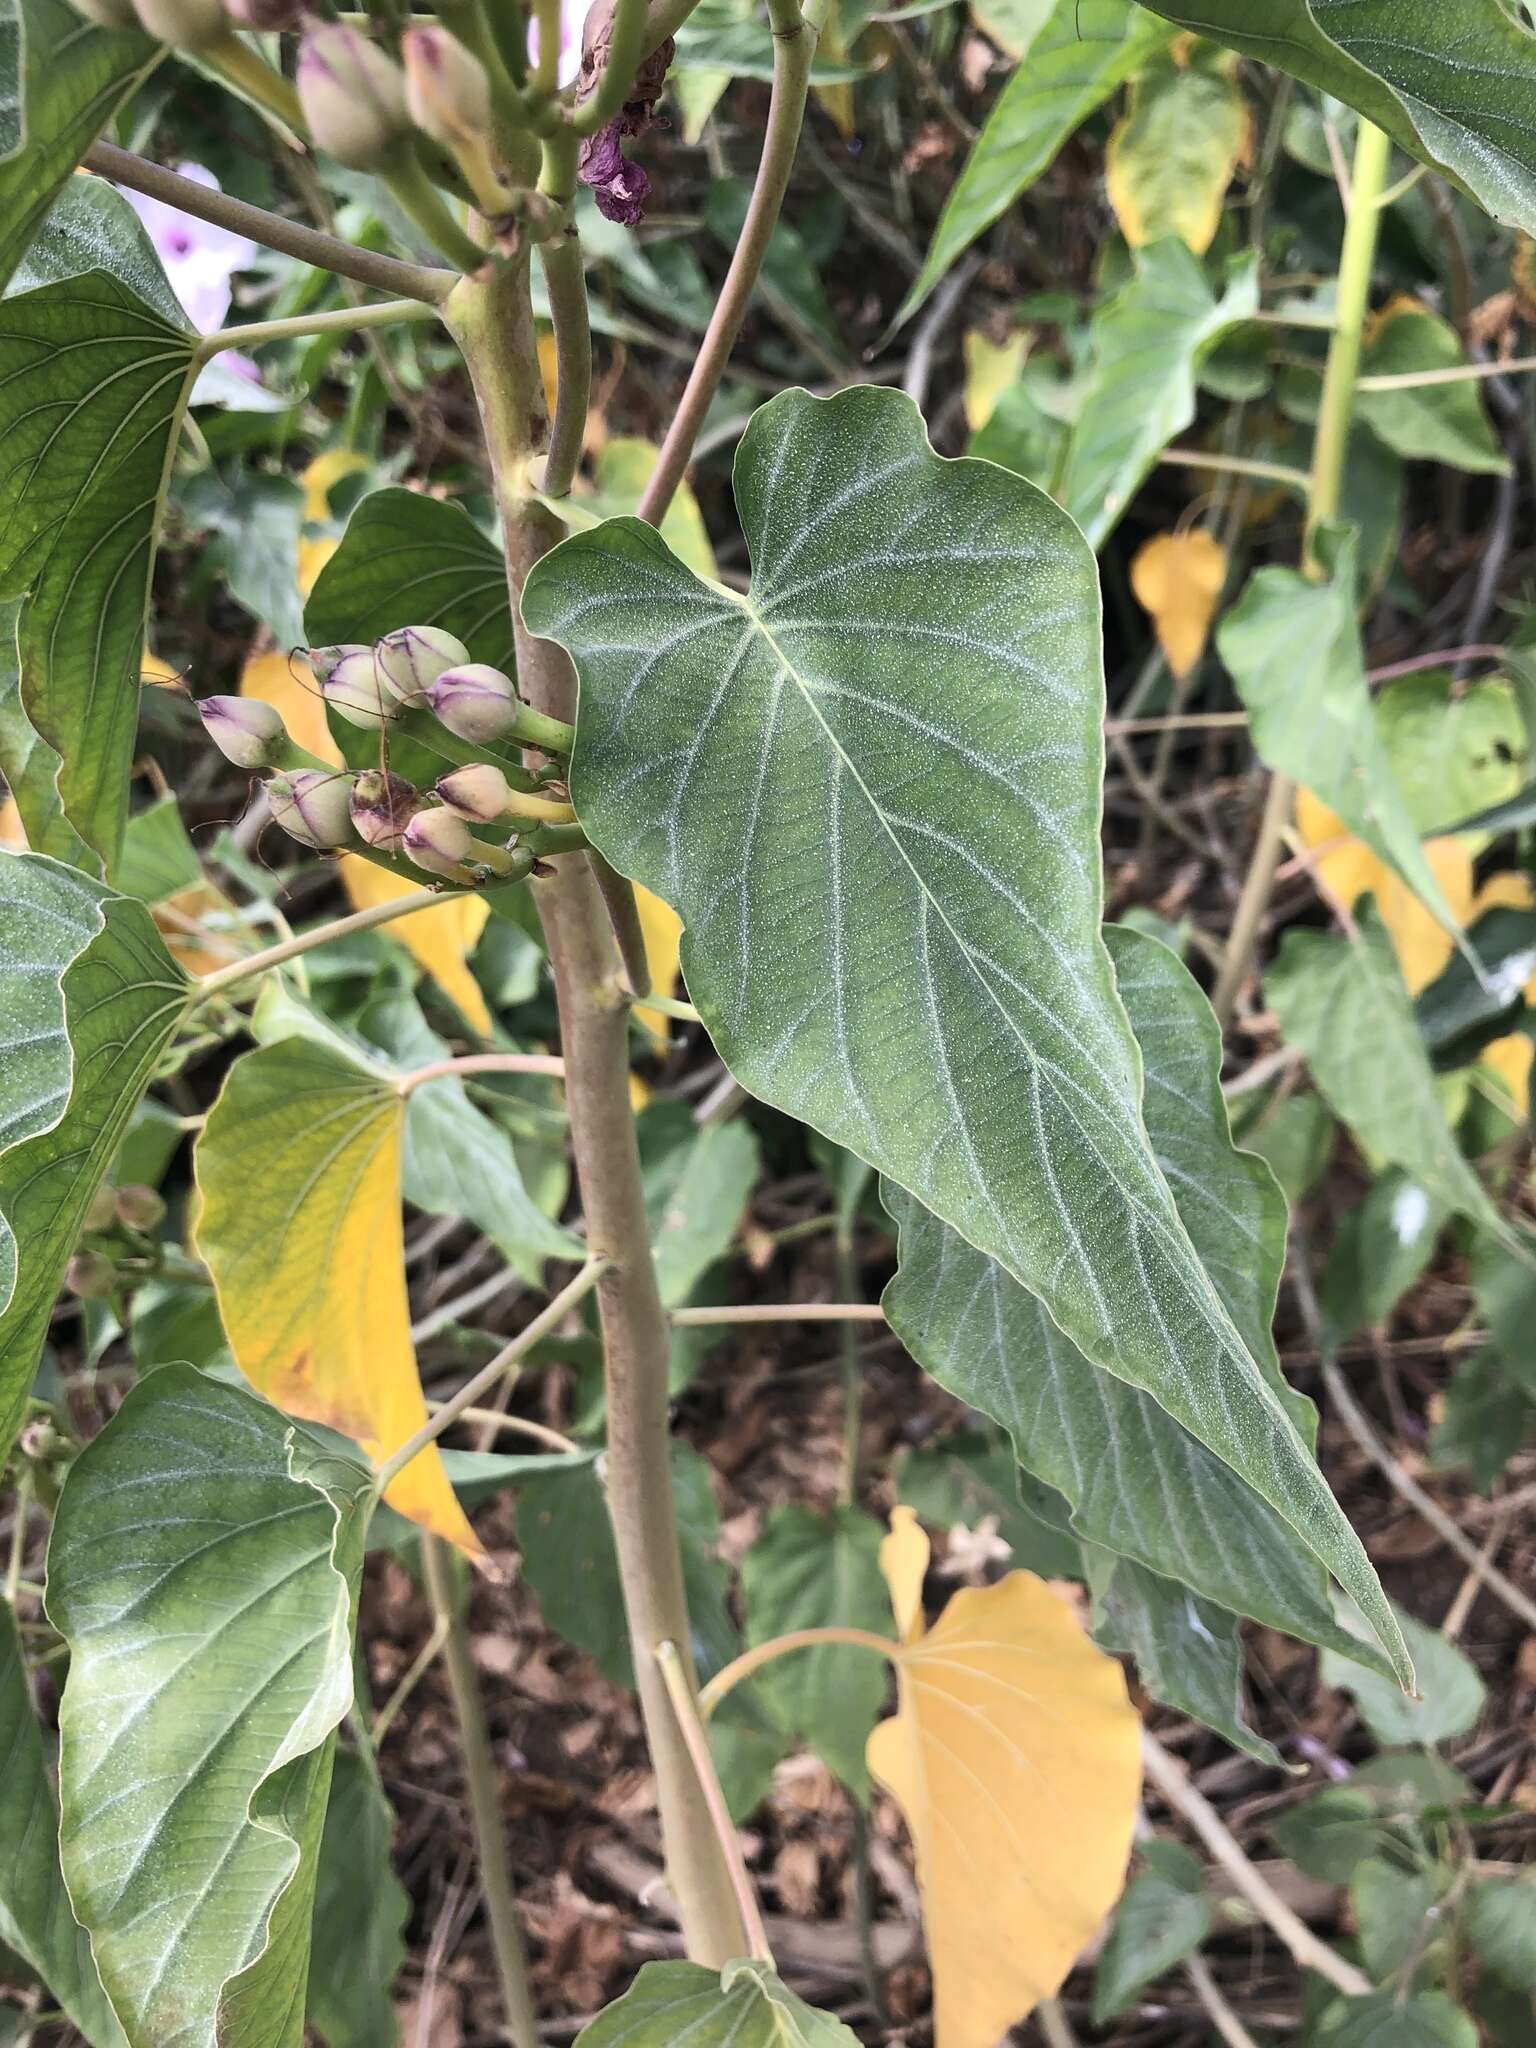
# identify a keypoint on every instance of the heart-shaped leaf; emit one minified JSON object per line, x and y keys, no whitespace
{"x":871,"y":789}
{"x":743,"y":2006}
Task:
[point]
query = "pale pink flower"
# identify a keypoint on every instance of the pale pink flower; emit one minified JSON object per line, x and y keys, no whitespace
{"x":198,"y":258}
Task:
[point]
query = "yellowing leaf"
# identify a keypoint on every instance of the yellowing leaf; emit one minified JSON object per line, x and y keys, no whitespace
{"x":1177,"y":578}
{"x":323,"y":475}
{"x":12,"y":831}
{"x":663,"y":932}
{"x":1171,"y":158}
{"x":1348,"y":870}
{"x":298,"y":1173}
{"x":1510,"y":1059}
{"x":990,"y":368}
{"x":313,"y":556}
{"x":1015,"y":1757}
{"x":289,"y":686}
{"x":153,"y":670}
{"x":441,"y":939}
{"x":194,"y":953}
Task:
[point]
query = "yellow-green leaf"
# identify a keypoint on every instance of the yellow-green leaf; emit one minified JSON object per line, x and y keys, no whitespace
{"x":1015,"y":1756}
{"x":298,"y":1169}
{"x":662,"y":930}
{"x":1171,"y":159}
{"x":991,"y":368}
{"x":1177,"y":578}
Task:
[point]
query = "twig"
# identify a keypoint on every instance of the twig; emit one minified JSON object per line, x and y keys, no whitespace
{"x":288,"y":237}
{"x":519,"y":1425}
{"x":1180,"y":1793}
{"x":1237,"y":465}
{"x":685,"y":1706}
{"x":322,"y":935}
{"x":618,"y":894}
{"x":482,"y":1063}
{"x":1209,"y":1993}
{"x":783,"y":1312}
{"x":1441,"y":658}
{"x":1460,"y":373}
{"x":931,"y":326}
{"x":1054,"y":2025}
{"x":567,"y":287}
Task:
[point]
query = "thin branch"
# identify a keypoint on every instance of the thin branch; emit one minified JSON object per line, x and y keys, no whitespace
{"x":567,"y":286}
{"x":669,"y":1006}
{"x":685,"y":1705}
{"x":288,"y":237}
{"x":783,"y":1312}
{"x":322,"y":935}
{"x":1055,"y":2027}
{"x":340,"y":320}
{"x":1238,"y":465}
{"x":794,"y":47}
{"x":1443,"y":657}
{"x":1181,"y":1794}
{"x":520,"y":1425}
{"x":618,"y":894}
{"x":1459,"y":373}
{"x":742,"y":1667}
{"x":481,"y":1383}
{"x":483,"y":1063}
{"x":626,"y":46}
{"x":1210,"y":1995}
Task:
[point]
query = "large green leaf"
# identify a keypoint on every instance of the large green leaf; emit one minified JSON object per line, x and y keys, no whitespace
{"x":1342,"y":1003}
{"x":61,"y":79}
{"x":1429,"y":422}
{"x":30,"y":768}
{"x":1138,"y":1483}
{"x":35,"y":1919}
{"x":89,"y":999}
{"x":361,"y":1910}
{"x":871,"y":789}
{"x":1454,"y":84}
{"x":1293,"y":647}
{"x":409,"y":560}
{"x":1074,"y":62}
{"x":92,"y":386}
{"x":1147,"y":343}
{"x":201,"y":1569}
{"x":743,"y":2006}
{"x":807,"y":1570}
{"x":91,"y":226}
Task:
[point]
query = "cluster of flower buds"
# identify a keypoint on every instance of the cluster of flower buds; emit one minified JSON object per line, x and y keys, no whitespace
{"x":415,"y":669}
{"x":115,"y":1249}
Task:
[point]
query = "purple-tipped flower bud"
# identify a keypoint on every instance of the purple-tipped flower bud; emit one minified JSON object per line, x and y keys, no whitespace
{"x":446,"y":89}
{"x":91,"y":1276}
{"x":265,"y":15}
{"x":412,"y":658}
{"x":311,"y":805}
{"x":438,"y":841}
{"x":101,"y":1210}
{"x":352,"y":685}
{"x":480,"y":792}
{"x":475,"y":701}
{"x":382,"y":806}
{"x":245,"y":731}
{"x":107,"y":13}
{"x":184,"y":24}
{"x":140,"y":1208}
{"x":353,"y":95}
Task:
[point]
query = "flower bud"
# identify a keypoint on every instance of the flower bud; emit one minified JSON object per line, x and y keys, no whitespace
{"x":140,"y":1208}
{"x":101,"y":1211}
{"x":480,"y":792}
{"x":382,"y":806}
{"x":351,"y":684}
{"x":311,"y":805}
{"x":446,"y":89}
{"x":91,"y":1276}
{"x":412,"y":658}
{"x":270,"y":16}
{"x":245,"y":730}
{"x":475,"y":701}
{"x":184,"y":24}
{"x":438,"y":841}
{"x":353,"y":95}
{"x":107,"y":13}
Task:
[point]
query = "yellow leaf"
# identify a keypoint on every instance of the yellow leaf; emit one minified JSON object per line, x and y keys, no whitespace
{"x":313,"y":556}
{"x":1014,"y":1755}
{"x":990,"y":368}
{"x":1350,"y":870}
{"x":323,"y":475}
{"x":1510,"y":1058}
{"x":1177,"y":578}
{"x":288,"y":685}
{"x":1170,"y":159}
{"x":441,"y":939}
{"x":663,"y":932}
{"x":904,"y":1556}
{"x":299,"y":1220}
{"x":153,"y":670}
{"x":12,"y":832}
{"x":194,"y":954}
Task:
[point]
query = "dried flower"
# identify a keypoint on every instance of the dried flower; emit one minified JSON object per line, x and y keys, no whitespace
{"x":245,"y":731}
{"x":480,"y":792}
{"x":353,"y":95}
{"x":351,"y":683}
{"x":620,"y":187}
{"x":382,"y":806}
{"x":475,"y":701}
{"x":312,"y":806}
{"x":438,"y":841}
{"x":413,"y":657}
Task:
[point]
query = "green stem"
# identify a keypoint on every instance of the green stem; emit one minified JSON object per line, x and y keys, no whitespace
{"x":681,"y":1690}
{"x":484,"y":1790}
{"x":492,"y":319}
{"x":566,"y":280}
{"x":794,"y":47}
{"x":669,"y":1006}
{"x":223,"y":978}
{"x":626,"y":44}
{"x":250,"y":73}
{"x":481,"y":1063}
{"x":1459,"y":373}
{"x":852,"y":1370}
{"x":618,"y":894}
{"x":341,"y":320}
{"x":1330,"y":449}
{"x":425,"y":207}
{"x":742,"y":1667}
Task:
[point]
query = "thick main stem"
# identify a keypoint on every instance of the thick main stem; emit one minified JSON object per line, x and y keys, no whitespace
{"x":492,"y":319}
{"x":1330,"y":448}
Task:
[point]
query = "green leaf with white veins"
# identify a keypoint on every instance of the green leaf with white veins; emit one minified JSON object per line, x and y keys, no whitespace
{"x":89,"y":1000}
{"x":1453,"y":83}
{"x":871,"y":790}
{"x":201,"y":1570}
{"x":743,"y":2006}
{"x":1293,"y":649}
{"x":92,"y":387}
{"x":1139,"y":1483}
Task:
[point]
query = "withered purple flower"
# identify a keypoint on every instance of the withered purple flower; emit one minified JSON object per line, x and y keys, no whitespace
{"x":620,"y":187}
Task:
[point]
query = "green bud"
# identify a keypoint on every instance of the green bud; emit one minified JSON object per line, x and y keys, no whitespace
{"x":91,"y":1276}
{"x":101,"y":1213}
{"x":311,"y":805}
{"x":446,"y":88}
{"x":351,"y":684}
{"x":245,"y":731}
{"x":438,"y":841}
{"x":382,"y":806}
{"x":411,"y":659}
{"x":480,"y":792}
{"x":475,"y":701}
{"x":184,"y":24}
{"x":140,"y":1208}
{"x":353,"y":95}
